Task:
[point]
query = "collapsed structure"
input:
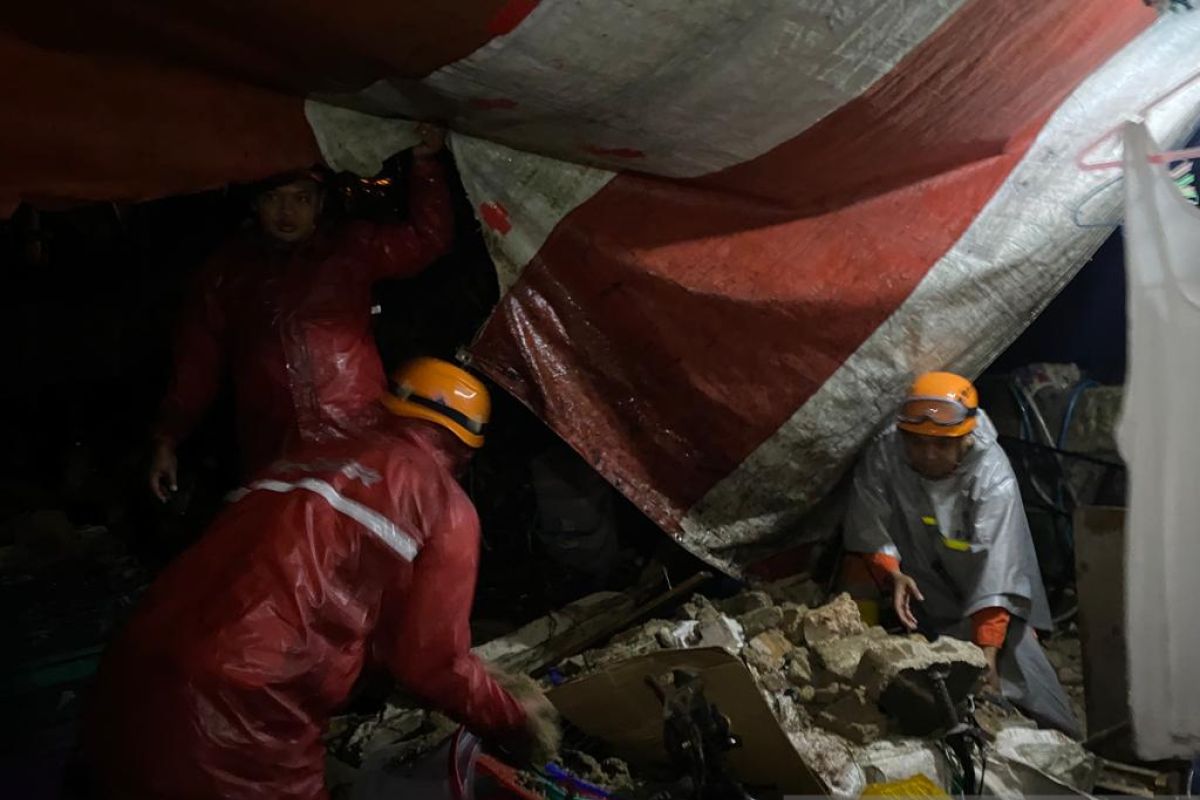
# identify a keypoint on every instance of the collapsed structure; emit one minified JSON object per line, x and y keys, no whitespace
{"x":830,"y":680}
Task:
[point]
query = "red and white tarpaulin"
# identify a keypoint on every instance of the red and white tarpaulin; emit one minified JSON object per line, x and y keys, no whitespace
{"x":720,"y":345}
{"x":730,"y":232}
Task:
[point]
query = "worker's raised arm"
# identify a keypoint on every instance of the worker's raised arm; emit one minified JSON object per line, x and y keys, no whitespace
{"x":404,"y":249}
{"x":424,"y":635}
{"x":198,"y":360}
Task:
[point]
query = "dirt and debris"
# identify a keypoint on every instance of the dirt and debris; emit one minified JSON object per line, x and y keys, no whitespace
{"x":842,"y":656}
{"x":768,"y":650}
{"x":822,"y":670}
{"x":819,"y":668}
{"x":854,"y":716}
{"x":742,"y":604}
{"x":993,"y":717}
{"x":760,"y":620}
{"x":799,"y":668}
{"x":611,"y":774}
{"x":892,"y":657}
{"x":1066,"y":655}
{"x":406,"y":733}
{"x":825,"y":674}
{"x":837,"y":619}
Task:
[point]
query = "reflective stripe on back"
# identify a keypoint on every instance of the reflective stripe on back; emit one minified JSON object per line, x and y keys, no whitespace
{"x":388,"y":532}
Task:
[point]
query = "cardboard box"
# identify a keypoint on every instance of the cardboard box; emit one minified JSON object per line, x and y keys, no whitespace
{"x":617,"y":706}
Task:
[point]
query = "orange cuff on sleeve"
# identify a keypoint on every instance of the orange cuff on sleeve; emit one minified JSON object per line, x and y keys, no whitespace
{"x":989,"y":626}
{"x":881,"y":565}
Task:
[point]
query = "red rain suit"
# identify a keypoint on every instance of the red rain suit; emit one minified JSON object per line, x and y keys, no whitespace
{"x":223,"y":681}
{"x":293,"y":327}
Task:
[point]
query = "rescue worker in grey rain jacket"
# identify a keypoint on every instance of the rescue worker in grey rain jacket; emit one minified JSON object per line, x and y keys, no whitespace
{"x":935,"y":512}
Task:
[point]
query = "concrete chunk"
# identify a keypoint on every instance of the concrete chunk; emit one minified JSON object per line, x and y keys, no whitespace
{"x":898,"y":673}
{"x":827,"y":693}
{"x":834,"y":620}
{"x":722,"y":632}
{"x":841,"y":656}
{"x":855,"y":717}
{"x":791,"y":715}
{"x":772,"y":647}
{"x":696,"y":606}
{"x":799,"y":669}
{"x":770,"y":683}
{"x":744,"y":603}
{"x":799,"y":589}
{"x":792,"y":622}
{"x":892,"y":656}
{"x":760,"y":620}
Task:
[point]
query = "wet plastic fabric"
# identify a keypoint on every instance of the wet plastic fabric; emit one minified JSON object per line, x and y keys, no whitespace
{"x":222,"y":683}
{"x":966,"y":542}
{"x":293,"y":327}
{"x":798,"y":237}
{"x":1157,"y":437}
{"x":832,"y":183}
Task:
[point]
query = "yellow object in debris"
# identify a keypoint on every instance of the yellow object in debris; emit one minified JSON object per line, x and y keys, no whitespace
{"x":869,"y":611}
{"x":916,"y":786}
{"x":960,"y":545}
{"x":930,"y":521}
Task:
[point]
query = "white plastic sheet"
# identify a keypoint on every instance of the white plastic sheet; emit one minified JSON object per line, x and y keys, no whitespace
{"x":1158,"y":438}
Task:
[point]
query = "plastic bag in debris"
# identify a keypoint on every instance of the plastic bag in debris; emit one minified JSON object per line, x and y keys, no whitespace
{"x":892,"y":760}
{"x":446,"y":774}
{"x":1022,"y":762}
{"x":1050,"y":753}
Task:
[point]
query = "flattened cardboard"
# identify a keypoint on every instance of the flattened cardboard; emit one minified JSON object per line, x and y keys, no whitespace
{"x":617,"y":706}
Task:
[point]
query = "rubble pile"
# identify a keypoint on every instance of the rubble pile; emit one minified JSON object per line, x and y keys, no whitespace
{"x":610,"y":774}
{"x":819,"y":667}
{"x":824,"y":673}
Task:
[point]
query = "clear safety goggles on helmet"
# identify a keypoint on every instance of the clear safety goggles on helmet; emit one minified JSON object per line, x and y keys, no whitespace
{"x":938,"y":410}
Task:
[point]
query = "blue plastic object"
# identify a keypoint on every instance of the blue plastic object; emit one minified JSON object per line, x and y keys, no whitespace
{"x":559,"y":774}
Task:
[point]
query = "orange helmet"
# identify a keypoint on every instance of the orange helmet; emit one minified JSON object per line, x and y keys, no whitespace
{"x":939,"y":404}
{"x":442,"y":393}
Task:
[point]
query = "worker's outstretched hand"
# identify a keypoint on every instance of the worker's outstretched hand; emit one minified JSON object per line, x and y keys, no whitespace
{"x":904,"y":589}
{"x":541,"y":728}
{"x":164,"y":470}
{"x":433,"y":139}
{"x":539,"y":741}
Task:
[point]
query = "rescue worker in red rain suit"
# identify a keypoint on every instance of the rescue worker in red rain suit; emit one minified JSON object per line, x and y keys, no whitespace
{"x":287,"y":312}
{"x":223,"y":681}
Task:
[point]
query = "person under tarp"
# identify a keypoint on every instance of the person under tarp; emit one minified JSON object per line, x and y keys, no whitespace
{"x":354,"y":551}
{"x":935,"y":512}
{"x":287,"y":311}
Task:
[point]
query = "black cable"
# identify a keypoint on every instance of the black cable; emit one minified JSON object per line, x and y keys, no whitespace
{"x":982,"y":769}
